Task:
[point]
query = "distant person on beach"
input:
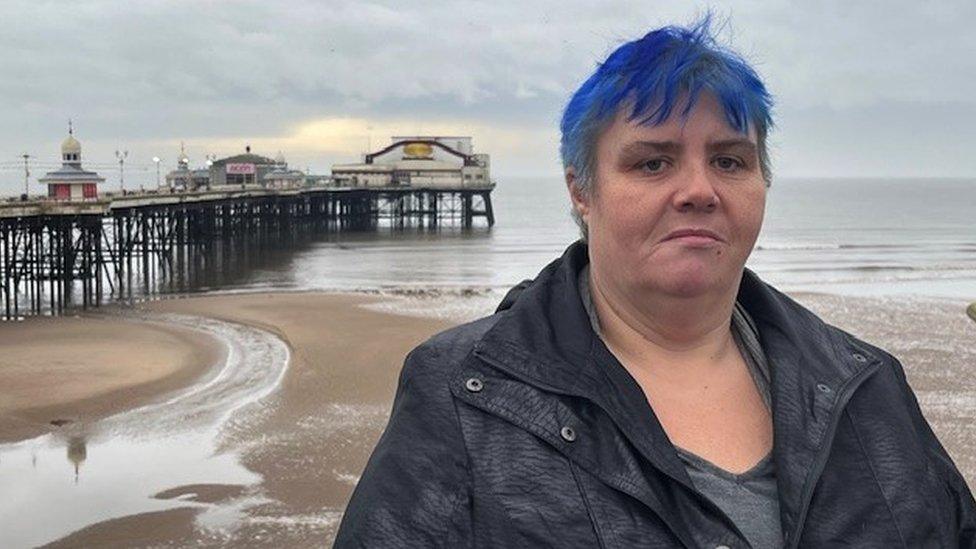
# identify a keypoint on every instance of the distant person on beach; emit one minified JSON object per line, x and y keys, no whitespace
{"x":646,"y":389}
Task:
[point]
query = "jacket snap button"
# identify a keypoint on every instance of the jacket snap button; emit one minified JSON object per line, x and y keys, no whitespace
{"x":721,"y":547}
{"x":859,"y":357}
{"x":474,"y":385}
{"x":568,"y":434}
{"x":823,"y":388}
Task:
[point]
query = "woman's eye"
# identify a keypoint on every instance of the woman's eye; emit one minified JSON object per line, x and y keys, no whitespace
{"x":728,"y":163}
{"x":655,"y":165}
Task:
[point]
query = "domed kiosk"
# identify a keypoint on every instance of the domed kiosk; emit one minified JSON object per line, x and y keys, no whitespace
{"x":71,"y":182}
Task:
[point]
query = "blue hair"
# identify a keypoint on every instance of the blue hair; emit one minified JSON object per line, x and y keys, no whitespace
{"x":651,"y":75}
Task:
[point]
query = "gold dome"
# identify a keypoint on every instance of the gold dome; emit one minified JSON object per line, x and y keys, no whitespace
{"x":70,"y":145}
{"x":418,"y":150}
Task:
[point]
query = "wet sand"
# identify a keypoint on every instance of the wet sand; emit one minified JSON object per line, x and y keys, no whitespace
{"x":936,"y":343}
{"x":82,"y":369}
{"x":312,"y":443}
{"x":313,"y":438}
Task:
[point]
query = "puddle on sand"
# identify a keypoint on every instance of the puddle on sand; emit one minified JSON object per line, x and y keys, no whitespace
{"x":57,"y":483}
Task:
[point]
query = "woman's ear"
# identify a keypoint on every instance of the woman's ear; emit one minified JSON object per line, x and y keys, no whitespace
{"x":581,"y":199}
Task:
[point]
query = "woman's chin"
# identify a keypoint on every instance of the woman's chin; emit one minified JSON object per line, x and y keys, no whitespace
{"x":691,"y":281}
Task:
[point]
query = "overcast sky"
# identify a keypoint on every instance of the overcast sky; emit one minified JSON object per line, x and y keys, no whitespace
{"x":866,"y":88}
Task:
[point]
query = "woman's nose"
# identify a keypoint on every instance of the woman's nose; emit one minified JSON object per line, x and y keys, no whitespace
{"x":696,"y":192}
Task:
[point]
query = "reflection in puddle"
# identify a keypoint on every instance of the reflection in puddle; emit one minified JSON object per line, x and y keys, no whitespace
{"x":116,"y":466}
{"x":77,"y":452}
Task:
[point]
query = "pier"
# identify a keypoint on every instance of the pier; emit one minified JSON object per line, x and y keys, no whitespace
{"x":56,"y":255}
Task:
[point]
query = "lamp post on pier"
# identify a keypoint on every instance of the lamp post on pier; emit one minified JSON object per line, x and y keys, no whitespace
{"x":121,"y":156}
{"x":211,"y":158}
{"x":26,"y":158}
{"x":156,"y":161}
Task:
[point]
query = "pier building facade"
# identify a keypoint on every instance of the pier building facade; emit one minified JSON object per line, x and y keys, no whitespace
{"x":432,"y":162}
{"x":71,"y":182}
{"x":241,"y":170}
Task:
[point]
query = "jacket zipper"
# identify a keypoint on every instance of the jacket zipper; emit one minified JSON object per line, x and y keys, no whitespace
{"x":821,"y":460}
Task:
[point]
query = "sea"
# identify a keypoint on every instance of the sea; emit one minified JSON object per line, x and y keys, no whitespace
{"x":864,"y":237}
{"x":860,"y":237}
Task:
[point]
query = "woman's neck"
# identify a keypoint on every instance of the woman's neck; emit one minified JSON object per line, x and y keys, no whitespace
{"x":665,"y":336}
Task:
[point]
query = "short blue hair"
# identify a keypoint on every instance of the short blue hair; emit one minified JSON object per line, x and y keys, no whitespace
{"x":651,"y":75}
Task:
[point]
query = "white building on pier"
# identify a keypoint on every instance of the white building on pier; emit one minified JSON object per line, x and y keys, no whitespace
{"x":432,"y":162}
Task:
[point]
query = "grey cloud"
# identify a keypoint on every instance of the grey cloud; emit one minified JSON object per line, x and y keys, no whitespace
{"x":172,"y":69}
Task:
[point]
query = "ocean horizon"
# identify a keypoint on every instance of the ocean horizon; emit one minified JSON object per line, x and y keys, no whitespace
{"x":863,"y":236}
{"x":847,"y":236}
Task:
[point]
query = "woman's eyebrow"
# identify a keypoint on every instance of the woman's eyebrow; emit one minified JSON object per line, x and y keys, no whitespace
{"x":672,"y":147}
{"x":645,"y":147}
{"x":740,"y":143}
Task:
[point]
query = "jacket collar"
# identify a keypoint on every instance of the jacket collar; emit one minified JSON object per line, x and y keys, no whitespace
{"x":544,"y":338}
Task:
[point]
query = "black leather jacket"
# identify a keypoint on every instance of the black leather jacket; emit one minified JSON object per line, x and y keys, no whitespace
{"x":507,"y":432}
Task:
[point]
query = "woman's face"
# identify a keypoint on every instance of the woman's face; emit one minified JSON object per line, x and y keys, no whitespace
{"x":675,"y":208}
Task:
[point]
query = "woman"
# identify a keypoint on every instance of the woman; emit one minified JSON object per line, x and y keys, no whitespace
{"x":646,"y":389}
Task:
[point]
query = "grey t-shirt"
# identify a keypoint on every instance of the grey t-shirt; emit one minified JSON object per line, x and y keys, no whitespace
{"x":750,"y":498}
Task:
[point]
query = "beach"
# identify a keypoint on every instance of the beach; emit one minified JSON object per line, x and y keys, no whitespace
{"x":81,"y":369}
{"x":322,"y":424}
{"x":314,"y":433}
